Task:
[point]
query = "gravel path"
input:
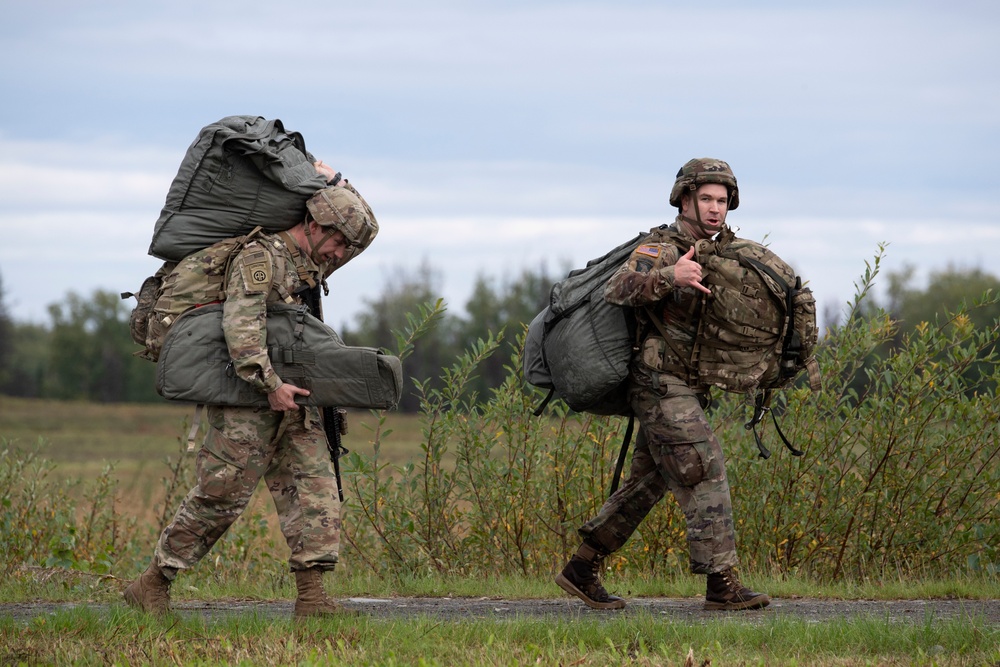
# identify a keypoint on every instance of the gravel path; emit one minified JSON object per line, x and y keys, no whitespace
{"x":681,"y":609}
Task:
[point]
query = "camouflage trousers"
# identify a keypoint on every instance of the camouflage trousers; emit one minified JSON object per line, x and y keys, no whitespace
{"x":676,"y":450}
{"x":244,"y":444}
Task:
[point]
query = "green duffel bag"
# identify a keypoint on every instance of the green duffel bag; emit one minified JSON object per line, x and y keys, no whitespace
{"x":194,"y":364}
{"x":240,"y":172}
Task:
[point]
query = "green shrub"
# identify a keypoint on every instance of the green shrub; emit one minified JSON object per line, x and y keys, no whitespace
{"x":900,"y":478}
{"x":41,"y":524}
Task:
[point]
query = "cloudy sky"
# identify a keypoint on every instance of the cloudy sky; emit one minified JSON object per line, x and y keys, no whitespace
{"x":491,"y":137}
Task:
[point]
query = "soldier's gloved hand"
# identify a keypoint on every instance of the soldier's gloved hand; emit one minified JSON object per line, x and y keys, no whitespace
{"x":687,"y":272}
{"x":282,"y":399}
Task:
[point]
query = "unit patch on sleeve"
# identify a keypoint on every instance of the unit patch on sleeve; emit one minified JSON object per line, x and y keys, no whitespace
{"x":256,"y":270}
{"x":643,"y":265}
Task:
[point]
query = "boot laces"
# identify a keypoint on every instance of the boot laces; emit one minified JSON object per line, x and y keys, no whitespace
{"x":734,"y":586}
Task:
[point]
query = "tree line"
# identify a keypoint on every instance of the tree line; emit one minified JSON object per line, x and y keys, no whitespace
{"x":85,"y":351}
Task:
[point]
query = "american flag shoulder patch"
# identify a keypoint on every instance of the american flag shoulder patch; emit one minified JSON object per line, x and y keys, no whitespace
{"x":650,"y":250}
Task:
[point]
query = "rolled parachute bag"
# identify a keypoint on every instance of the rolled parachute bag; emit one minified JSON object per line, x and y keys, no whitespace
{"x":239,"y":173}
{"x":587,"y":352}
{"x":195,"y":367}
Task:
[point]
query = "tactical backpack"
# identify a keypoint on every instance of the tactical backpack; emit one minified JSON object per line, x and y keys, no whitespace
{"x":197,"y":280}
{"x":757,"y":329}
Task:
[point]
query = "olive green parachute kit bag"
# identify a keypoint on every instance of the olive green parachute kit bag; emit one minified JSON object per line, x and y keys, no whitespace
{"x":240,"y":172}
{"x":579,"y":346}
{"x":195,"y":366}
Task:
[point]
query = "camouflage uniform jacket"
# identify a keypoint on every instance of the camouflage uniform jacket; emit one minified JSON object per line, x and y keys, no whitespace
{"x":646,"y":282}
{"x":269,"y":269}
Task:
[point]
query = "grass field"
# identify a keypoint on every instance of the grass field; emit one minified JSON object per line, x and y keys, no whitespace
{"x":81,"y":439}
{"x":127,"y":638}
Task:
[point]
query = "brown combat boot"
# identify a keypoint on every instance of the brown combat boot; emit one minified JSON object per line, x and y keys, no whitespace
{"x":726,"y":592}
{"x":150,"y":592}
{"x":312,"y":599}
{"x":582,"y":577}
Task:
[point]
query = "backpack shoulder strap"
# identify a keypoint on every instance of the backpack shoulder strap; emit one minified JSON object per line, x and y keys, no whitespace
{"x":240,"y":244}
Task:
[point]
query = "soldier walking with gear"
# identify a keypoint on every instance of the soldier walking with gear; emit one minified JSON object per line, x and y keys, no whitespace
{"x":676,"y":449}
{"x":285,"y":444}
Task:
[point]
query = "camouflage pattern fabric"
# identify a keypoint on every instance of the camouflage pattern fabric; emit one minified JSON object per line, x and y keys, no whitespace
{"x":676,"y":450}
{"x":735,"y":339}
{"x":342,"y":208}
{"x":244,"y":445}
{"x":705,"y":170}
{"x":646,"y":279}
{"x":289,"y":450}
{"x":253,"y":284}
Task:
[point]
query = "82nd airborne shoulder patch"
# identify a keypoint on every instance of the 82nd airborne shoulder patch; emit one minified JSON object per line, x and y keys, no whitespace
{"x":256,"y":270}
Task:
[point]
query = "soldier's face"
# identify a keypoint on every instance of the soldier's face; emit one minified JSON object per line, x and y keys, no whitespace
{"x":333,"y":248}
{"x":712,"y":201}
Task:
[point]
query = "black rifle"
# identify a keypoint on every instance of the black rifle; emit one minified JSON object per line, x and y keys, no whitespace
{"x":334,"y":419}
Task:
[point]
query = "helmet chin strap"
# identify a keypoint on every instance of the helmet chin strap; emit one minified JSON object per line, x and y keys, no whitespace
{"x":697,"y":222}
{"x":314,"y":247}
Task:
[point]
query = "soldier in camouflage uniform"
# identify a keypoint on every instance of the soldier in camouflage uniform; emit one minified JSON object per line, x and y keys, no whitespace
{"x":676,"y":449}
{"x":286,"y":444}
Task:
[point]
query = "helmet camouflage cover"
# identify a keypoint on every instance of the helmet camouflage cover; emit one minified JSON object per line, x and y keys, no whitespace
{"x":343,"y":208}
{"x":704,"y":170}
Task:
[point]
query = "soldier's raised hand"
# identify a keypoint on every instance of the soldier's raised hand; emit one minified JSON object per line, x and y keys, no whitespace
{"x":687,"y":272}
{"x":326,"y":170}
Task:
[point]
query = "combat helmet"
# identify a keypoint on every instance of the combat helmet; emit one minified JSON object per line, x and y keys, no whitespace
{"x":704,"y":170}
{"x":342,"y":209}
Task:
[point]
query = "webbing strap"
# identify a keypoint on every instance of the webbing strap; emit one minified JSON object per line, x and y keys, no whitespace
{"x":293,"y":247}
{"x":762,"y":405}
{"x":195,"y":425}
{"x":690,"y":369}
{"x":620,"y":465}
{"x":548,"y":397}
